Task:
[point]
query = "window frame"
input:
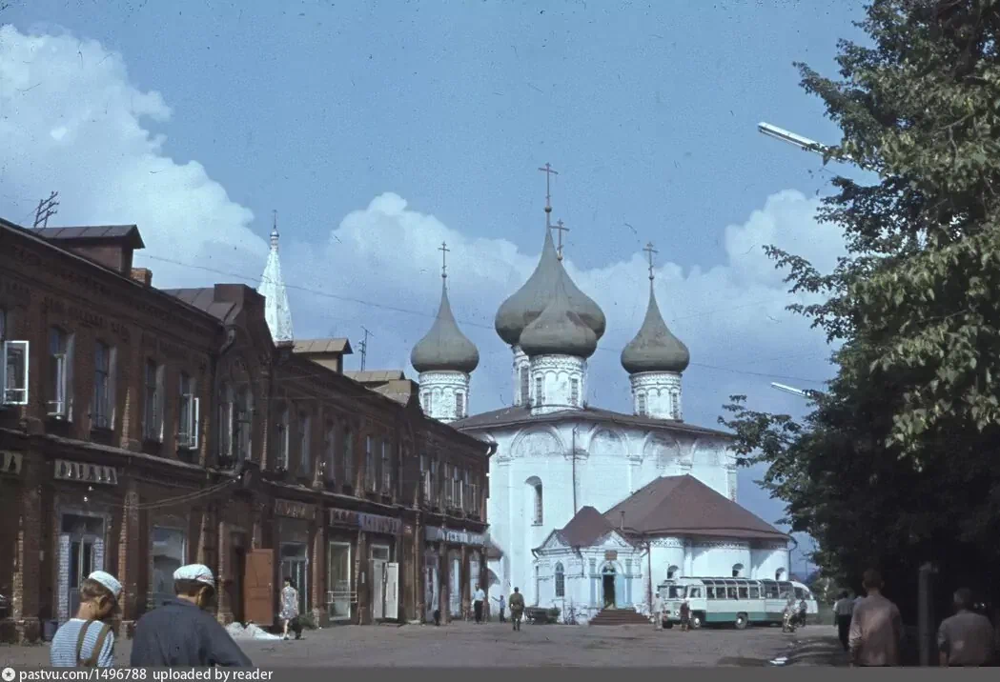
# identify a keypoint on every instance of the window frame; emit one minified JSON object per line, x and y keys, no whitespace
{"x":152,"y":401}
{"x":188,"y":413}
{"x":559,"y":573}
{"x":60,"y":406}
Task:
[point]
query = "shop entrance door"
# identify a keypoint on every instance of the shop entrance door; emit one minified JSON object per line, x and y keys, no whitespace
{"x":380,"y":558}
{"x":85,"y":549}
{"x":432,"y":586}
{"x":295,"y":565}
{"x":455,"y":587}
{"x":340,"y":596}
{"x":258,"y":587}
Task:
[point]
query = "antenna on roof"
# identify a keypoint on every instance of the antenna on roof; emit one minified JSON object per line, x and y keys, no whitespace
{"x":364,"y":347}
{"x":46,"y":209}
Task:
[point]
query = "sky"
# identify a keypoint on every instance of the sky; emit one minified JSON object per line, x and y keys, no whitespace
{"x":377,"y":130}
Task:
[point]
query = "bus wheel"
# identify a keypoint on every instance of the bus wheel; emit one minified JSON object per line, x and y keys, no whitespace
{"x":695,"y":621}
{"x":741,"y":621}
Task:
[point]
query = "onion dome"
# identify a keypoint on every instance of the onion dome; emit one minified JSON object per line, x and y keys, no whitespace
{"x":559,"y":330}
{"x":521,"y":309}
{"x":655,"y":348}
{"x":445,"y":348}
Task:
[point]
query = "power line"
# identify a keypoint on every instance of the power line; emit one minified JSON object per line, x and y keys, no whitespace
{"x":480,"y":325}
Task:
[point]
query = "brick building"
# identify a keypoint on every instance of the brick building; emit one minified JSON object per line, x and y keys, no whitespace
{"x":141,"y":429}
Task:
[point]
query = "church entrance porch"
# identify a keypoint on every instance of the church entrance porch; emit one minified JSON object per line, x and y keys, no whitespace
{"x":608,"y":586}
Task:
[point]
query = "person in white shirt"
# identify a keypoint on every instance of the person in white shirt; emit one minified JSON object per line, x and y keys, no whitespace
{"x":87,"y":640}
{"x":478,"y":599}
{"x":842,"y":611}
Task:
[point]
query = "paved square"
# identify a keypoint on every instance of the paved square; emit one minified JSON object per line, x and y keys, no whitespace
{"x":495,"y":645}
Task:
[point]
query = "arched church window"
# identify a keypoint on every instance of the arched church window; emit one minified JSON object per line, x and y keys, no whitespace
{"x":779,"y":574}
{"x":459,"y":405}
{"x":738,"y":571}
{"x":641,"y":400}
{"x":538,"y":504}
{"x":675,"y":405}
{"x":574,"y":392}
{"x":560,"y":580}
{"x":539,"y":394}
{"x":525,"y":386}
{"x":672,"y":572}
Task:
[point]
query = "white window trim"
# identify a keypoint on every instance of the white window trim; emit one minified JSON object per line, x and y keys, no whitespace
{"x":19,"y":394}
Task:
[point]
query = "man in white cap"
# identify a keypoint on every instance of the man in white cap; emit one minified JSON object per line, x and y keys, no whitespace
{"x":182,"y":633}
{"x":87,"y":640}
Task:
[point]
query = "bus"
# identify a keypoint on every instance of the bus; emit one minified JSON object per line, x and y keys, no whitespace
{"x":737,"y":601}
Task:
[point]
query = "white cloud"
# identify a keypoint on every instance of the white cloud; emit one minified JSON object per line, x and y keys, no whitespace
{"x":71,"y":120}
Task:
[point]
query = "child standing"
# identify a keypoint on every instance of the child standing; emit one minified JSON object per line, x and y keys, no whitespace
{"x":87,"y":640}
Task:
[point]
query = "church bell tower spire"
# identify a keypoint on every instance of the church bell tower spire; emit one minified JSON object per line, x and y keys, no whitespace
{"x":272,"y":287}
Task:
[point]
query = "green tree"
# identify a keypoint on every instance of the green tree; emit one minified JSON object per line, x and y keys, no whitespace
{"x":898,"y":461}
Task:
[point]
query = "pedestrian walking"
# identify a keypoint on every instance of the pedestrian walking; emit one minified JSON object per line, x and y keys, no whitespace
{"x":966,"y":640}
{"x":86,"y":640}
{"x":657,"y":612}
{"x":803,"y":612}
{"x":182,"y":633}
{"x":501,"y":607}
{"x":290,"y":609}
{"x":876,"y":627}
{"x":478,"y":601}
{"x":842,"y":611}
{"x":516,"y":602}
{"x":685,"y":616}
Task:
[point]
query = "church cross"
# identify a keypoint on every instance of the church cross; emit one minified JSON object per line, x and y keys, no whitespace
{"x":444,"y":259}
{"x":549,"y":172}
{"x":650,"y":251}
{"x":559,"y":226}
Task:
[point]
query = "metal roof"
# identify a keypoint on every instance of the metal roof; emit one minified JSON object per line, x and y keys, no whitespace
{"x":376,"y":376}
{"x":336,"y":345}
{"x":94,"y":232}
{"x":203,"y":299}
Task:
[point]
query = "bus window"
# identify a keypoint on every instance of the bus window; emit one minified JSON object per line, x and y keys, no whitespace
{"x":754,"y":592}
{"x":800,"y":593}
{"x":772,"y":591}
{"x":730,"y":591}
{"x":676,"y":592}
{"x":784,"y":590}
{"x":711,"y":591}
{"x":694,"y":592}
{"x":743,"y":591}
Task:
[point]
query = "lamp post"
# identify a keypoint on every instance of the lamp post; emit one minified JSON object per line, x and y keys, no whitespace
{"x":790,"y":389}
{"x":803,"y":143}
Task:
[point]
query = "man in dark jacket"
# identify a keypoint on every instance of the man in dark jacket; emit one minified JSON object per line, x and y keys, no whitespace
{"x":182,"y":633}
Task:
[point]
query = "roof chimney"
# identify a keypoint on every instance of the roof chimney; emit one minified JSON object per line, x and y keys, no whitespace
{"x":143,"y":276}
{"x":621,"y":522}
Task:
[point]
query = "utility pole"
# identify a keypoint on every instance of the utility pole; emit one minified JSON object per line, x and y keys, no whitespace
{"x":46,"y":209}
{"x":364,"y":347}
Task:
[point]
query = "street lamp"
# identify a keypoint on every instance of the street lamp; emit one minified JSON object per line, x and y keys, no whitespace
{"x":790,"y":389}
{"x":802,"y":143}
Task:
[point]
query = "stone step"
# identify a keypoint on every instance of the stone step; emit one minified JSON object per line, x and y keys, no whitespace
{"x":619,"y":617}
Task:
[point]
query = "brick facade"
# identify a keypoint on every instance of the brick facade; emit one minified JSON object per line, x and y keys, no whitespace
{"x":113,"y":476}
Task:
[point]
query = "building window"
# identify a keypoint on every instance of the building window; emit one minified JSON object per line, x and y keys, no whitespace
{"x":305,"y":428}
{"x":13,"y":366}
{"x":525,"y":386}
{"x":153,"y":416}
{"x":100,"y":411}
{"x":369,"y":465}
{"x":560,"y":580}
{"x":188,"y":404}
{"x":738,"y":571}
{"x":60,"y":404}
{"x":671,"y":573}
{"x":466,"y":492}
{"x":433,"y":495}
{"x":330,"y":446}
{"x":447,"y":486}
{"x":459,"y":405}
{"x":675,"y":405}
{"x":283,"y":439}
{"x":574,"y":392}
{"x":244,"y":425}
{"x":539,"y":393}
{"x":425,"y":479}
{"x":348,"y":456}
{"x":641,"y":400}
{"x":456,"y":487}
{"x":386,"y":468}
{"x":779,"y":574}
{"x":538,"y":504}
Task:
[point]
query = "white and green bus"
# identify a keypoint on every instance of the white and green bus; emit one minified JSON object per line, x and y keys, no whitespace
{"x":737,"y":601}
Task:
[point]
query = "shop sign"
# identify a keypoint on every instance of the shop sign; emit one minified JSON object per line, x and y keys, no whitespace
{"x":294,"y":510}
{"x":455,"y":537}
{"x":370,"y":523}
{"x":10,"y":463}
{"x":343,"y":517}
{"x":85,"y":473}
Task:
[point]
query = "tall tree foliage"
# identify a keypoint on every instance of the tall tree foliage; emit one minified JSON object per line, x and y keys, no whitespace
{"x":899,"y":461}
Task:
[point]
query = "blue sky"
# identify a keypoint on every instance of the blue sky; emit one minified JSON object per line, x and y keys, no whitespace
{"x":197,"y":119}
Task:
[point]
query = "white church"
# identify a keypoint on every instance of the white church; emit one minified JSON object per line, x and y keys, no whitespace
{"x":590,"y":508}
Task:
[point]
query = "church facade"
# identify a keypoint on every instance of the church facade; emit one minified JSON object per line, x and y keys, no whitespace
{"x":555,"y":455}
